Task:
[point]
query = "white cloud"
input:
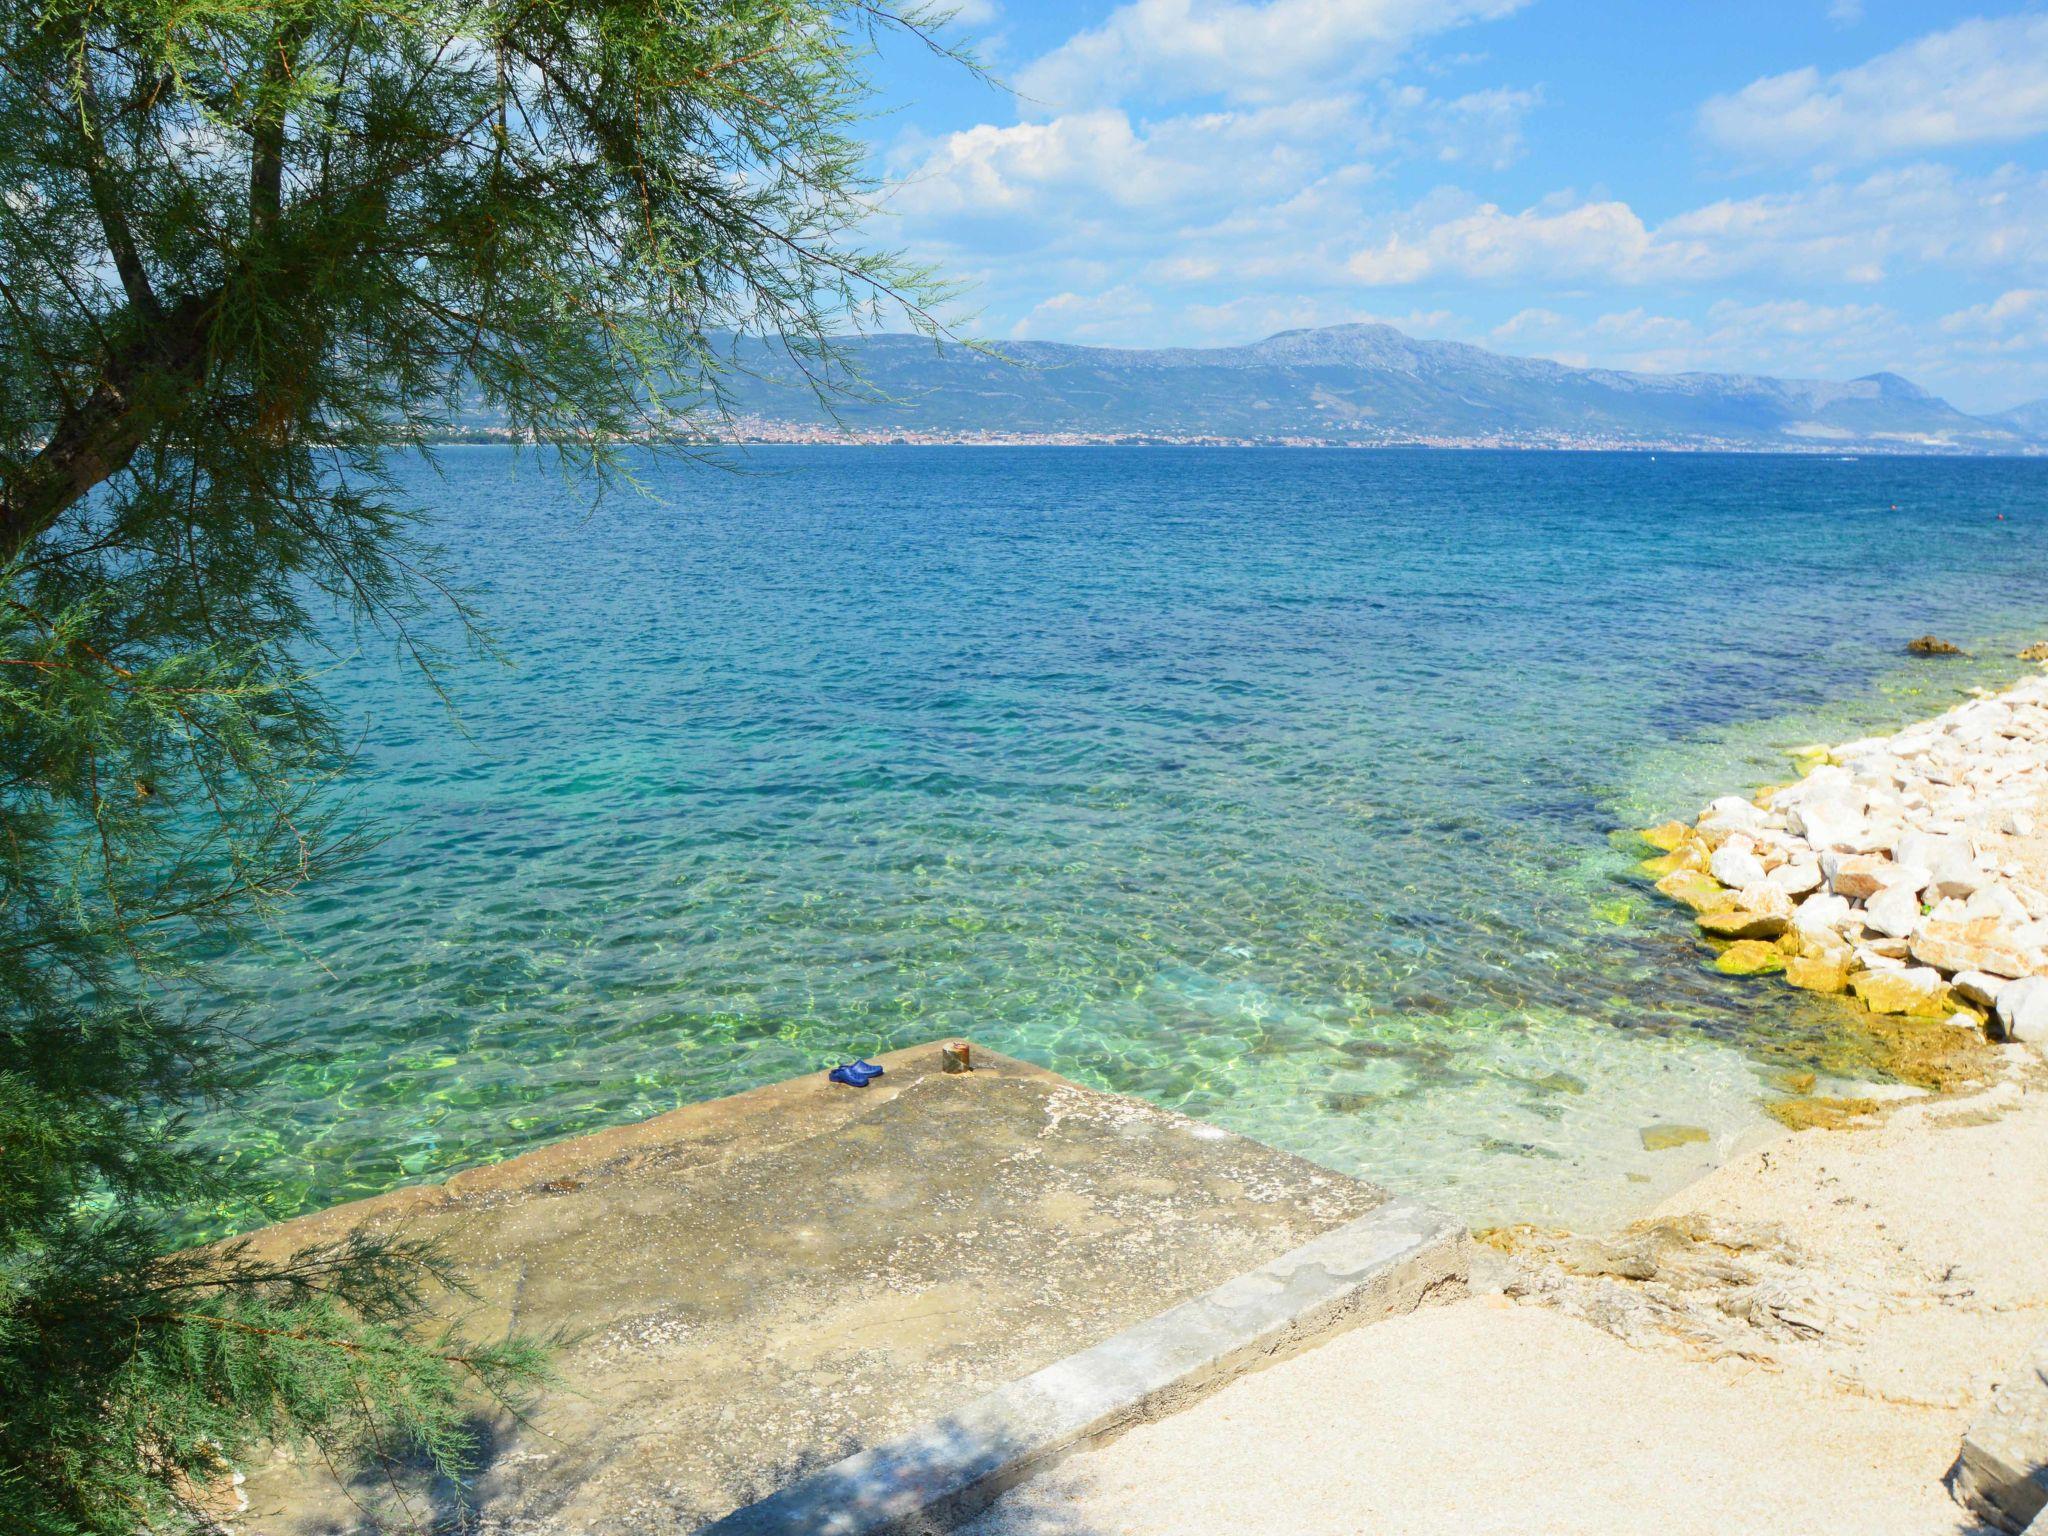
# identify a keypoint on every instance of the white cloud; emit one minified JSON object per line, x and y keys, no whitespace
{"x":1489,"y":244}
{"x":1480,"y":127}
{"x":2015,"y":321}
{"x":1918,"y":216}
{"x":1788,"y":336}
{"x":1238,"y":49}
{"x":974,"y":13}
{"x":1845,"y":13}
{"x":1529,"y":322}
{"x":1979,"y":82}
{"x":1113,"y":314}
{"x":1068,"y":166}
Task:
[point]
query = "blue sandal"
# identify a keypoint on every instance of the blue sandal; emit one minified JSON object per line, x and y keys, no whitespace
{"x":855,"y":1074}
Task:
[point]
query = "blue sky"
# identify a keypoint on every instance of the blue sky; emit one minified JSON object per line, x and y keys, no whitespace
{"x":1813,"y":187}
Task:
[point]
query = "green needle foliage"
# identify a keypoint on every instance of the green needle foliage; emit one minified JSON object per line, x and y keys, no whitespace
{"x":248,"y":251}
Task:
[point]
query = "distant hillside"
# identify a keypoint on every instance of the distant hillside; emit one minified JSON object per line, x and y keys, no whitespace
{"x":1362,"y":383}
{"x":2031,"y":418}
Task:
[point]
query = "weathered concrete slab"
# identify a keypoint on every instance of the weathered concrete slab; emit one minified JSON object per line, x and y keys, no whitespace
{"x":763,"y":1285}
{"x":1386,"y":1262}
{"x":2002,"y":1473}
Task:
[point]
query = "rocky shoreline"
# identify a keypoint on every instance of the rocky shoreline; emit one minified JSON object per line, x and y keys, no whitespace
{"x":1826,"y":1332}
{"x":1909,"y":872}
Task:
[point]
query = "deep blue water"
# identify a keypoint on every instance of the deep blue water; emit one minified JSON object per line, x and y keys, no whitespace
{"x":1278,"y":786}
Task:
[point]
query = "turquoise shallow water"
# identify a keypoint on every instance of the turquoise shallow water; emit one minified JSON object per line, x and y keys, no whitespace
{"x":1275,"y":786}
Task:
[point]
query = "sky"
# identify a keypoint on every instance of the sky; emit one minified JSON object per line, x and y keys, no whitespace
{"x":1819,"y":188}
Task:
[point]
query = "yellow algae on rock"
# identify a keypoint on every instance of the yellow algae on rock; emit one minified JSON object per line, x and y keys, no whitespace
{"x":1703,"y":893}
{"x":1662,"y":1138}
{"x":1819,"y":1112}
{"x":1740,"y":922}
{"x":1750,"y":957}
{"x":1825,"y":972}
{"x":1668,"y":838}
{"x":1690,"y":856}
{"x":1928,"y":1053}
{"x":1908,"y":992}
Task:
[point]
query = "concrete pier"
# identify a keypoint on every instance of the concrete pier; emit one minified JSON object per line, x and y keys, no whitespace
{"x":755,"y":1288}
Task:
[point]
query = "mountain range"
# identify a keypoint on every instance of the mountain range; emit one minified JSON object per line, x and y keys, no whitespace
{"x":1349,"y":384}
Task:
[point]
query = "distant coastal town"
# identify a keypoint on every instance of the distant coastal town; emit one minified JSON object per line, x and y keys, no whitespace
{"x":741,"y":431}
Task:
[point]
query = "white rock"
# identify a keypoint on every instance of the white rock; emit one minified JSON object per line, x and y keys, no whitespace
{"x":1914,"y":877}
{"x":1893,"y":911}
{"x":1869,"y":959}
{"x":1877,"y":836}
{"x":1978,"y":987}
{"x":1856,"y":875}
{"x":1995,"y":901}
{"x":1764,"y":900}
{"x":1964,"y":1020}
{"x":1926,"y":849}
{"x":1796,"y":877}
{"x":1823,"y":912}
{"x":1829,"y":821}
{"x":1734,"y":864}
{"x":1955,"y":873}
{"x":2022,"y":1010}
{"x":2016,"y":823}
{"x":2033,"y":899}
{"x":1728,"y":815}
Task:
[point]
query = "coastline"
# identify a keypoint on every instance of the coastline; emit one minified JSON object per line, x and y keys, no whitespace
{"x":1908,"y":873}
{"x":1799,"y":1340}
{"x":799,"y":436}
{"x":1796,"y":1343}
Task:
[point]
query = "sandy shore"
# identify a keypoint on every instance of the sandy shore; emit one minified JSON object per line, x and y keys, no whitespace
{"x":1795,"y":1344}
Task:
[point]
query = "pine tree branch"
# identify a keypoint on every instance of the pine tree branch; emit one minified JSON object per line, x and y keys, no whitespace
{"x":95,"y":440}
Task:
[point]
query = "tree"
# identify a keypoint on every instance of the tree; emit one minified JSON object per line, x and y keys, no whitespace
{"x":248,"y":252}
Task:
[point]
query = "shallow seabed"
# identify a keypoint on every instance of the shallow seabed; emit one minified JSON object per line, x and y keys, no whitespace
{"x":1279,"y":787}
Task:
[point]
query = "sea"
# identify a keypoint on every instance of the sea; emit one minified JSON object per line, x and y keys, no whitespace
{"x":1291,"y":789}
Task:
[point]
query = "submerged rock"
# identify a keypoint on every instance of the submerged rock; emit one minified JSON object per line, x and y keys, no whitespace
{"x":1662,"y":1138}
{"x":1701,"y":892}
{"x":1819,"y":973}
{"x":1743,"y":921}
{"x":1930,"y":645}
{"x":2038,"y":651}
{"x":1669,"y":837}
{"x":1692,"y":855}
{"x":1819,"y":1112}
{"x":1749,"y":957}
